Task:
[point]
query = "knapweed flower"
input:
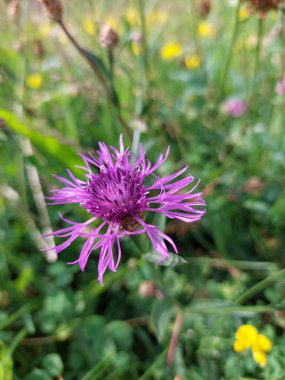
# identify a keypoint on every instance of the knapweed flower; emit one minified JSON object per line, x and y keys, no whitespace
{"x":247,"y":336}
{"x":116,"y":194}
{"x":280,"y":86}
{"x":234,"y":107}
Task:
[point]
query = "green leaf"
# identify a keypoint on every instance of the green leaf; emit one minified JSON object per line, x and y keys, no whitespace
{"x":53,"y":364}
{"x":38,"y":374}
{"x":172,"y":261}
{"x":161,"y":313}
{"x":6,"y":363}
{"x":48,"y":144}
{"x":96,"y":61}
{"x":121,"y":332}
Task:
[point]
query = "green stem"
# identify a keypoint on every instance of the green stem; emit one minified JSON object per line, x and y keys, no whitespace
{"x":256,"y":56}
{"x":109,"y":92}
{"x":144,"y":41}
{"x":210,"y":310}
{"x":229,"y":58}
{"x":257,"y":288}
{"x":155,"y":364}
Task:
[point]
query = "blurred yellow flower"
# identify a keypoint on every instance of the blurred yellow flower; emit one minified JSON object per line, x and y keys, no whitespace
{"x":156,"y":17}
{"x":113,"y":22}
{"x":131,"y":16}
{"x":239,"y":346}
{"x":170,"y":51}
{"x":247,"y":336}
{"x":192,"y":61}
{"x":260,"y":358}
{"x":89,"y":26}
{"x":34,"y":80}
{"x":244,"y":14}
{"x":262,"y":343}
{"x":206,"y":30}
{"x":136,"y":48}
{"x":44,"y":29}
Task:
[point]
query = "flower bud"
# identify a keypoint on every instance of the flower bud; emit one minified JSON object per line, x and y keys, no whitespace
{"x":54,"y":9}
{"x":266,"y":5}
{"x":203,"y":7}
{"x":108,"y":38}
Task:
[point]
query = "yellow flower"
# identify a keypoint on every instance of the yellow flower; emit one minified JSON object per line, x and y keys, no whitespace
{"x":262,"y":343}
{"x":206,"y":30}
{"x":156,"y":17}
{"x":260,"y":358}
{"x":136,"y":48}
{"x":45,"y":29}
{"x":131,"y":16}
{"x":34,"y":80}
{"x":192,"y":61}
{"x":89,"y":26}
{"x":239,"y":346}
{"x":170,"y":51}
{"x":246,"y":334}
{"x":244,"y":14}
{"x":113,"y":22}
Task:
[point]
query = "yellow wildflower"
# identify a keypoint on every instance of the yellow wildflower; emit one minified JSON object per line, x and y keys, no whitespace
{"x":192,"y":61}
{"x":260,"y":358}
{"x":239,"y":346}
{"x":136,"y":48}
{"x":206,"y":30}
{"x":156,"y":17}
{"x":44,"y":29}
{"x":131,"y":16}
{"x":262,"y":343}
{"x":244,"y":14}
{"x":34,"y":80}
{"x":113,"y":22}
{"x":89,"y":26}
{"x":247,"y":336}
{"x":170,"y":51}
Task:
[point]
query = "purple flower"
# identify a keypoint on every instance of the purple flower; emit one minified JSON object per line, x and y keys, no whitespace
{"x":280,"y":86}
{"x":235,"y":107}
{"x":116,"y":194}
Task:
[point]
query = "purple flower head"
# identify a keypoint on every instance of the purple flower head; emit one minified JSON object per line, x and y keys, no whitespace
{"x":280,"y":86}
{"x":116,"y":197}
{"x":235,"y":107}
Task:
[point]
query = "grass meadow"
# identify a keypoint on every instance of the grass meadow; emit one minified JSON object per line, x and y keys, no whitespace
{"x":205,"y":78}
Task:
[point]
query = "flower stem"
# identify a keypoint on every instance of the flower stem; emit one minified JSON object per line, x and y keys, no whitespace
{"x":255,"y":289}
{"x":256,"y":56}
{"x":230,"y":54}
{"x":174,"y":339}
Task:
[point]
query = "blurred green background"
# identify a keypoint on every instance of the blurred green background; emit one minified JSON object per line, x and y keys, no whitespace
{"x":170,"y":76}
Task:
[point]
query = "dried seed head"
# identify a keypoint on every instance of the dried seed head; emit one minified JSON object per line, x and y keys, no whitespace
{"x":266,"y":5}
{"x":108,"y":38}
{"x":54,"y":9}
{"x":203,"y":7}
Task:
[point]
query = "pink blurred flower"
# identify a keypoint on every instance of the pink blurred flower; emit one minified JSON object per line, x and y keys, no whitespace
{"x":235,"y":107}
{"x":280,"y":86}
